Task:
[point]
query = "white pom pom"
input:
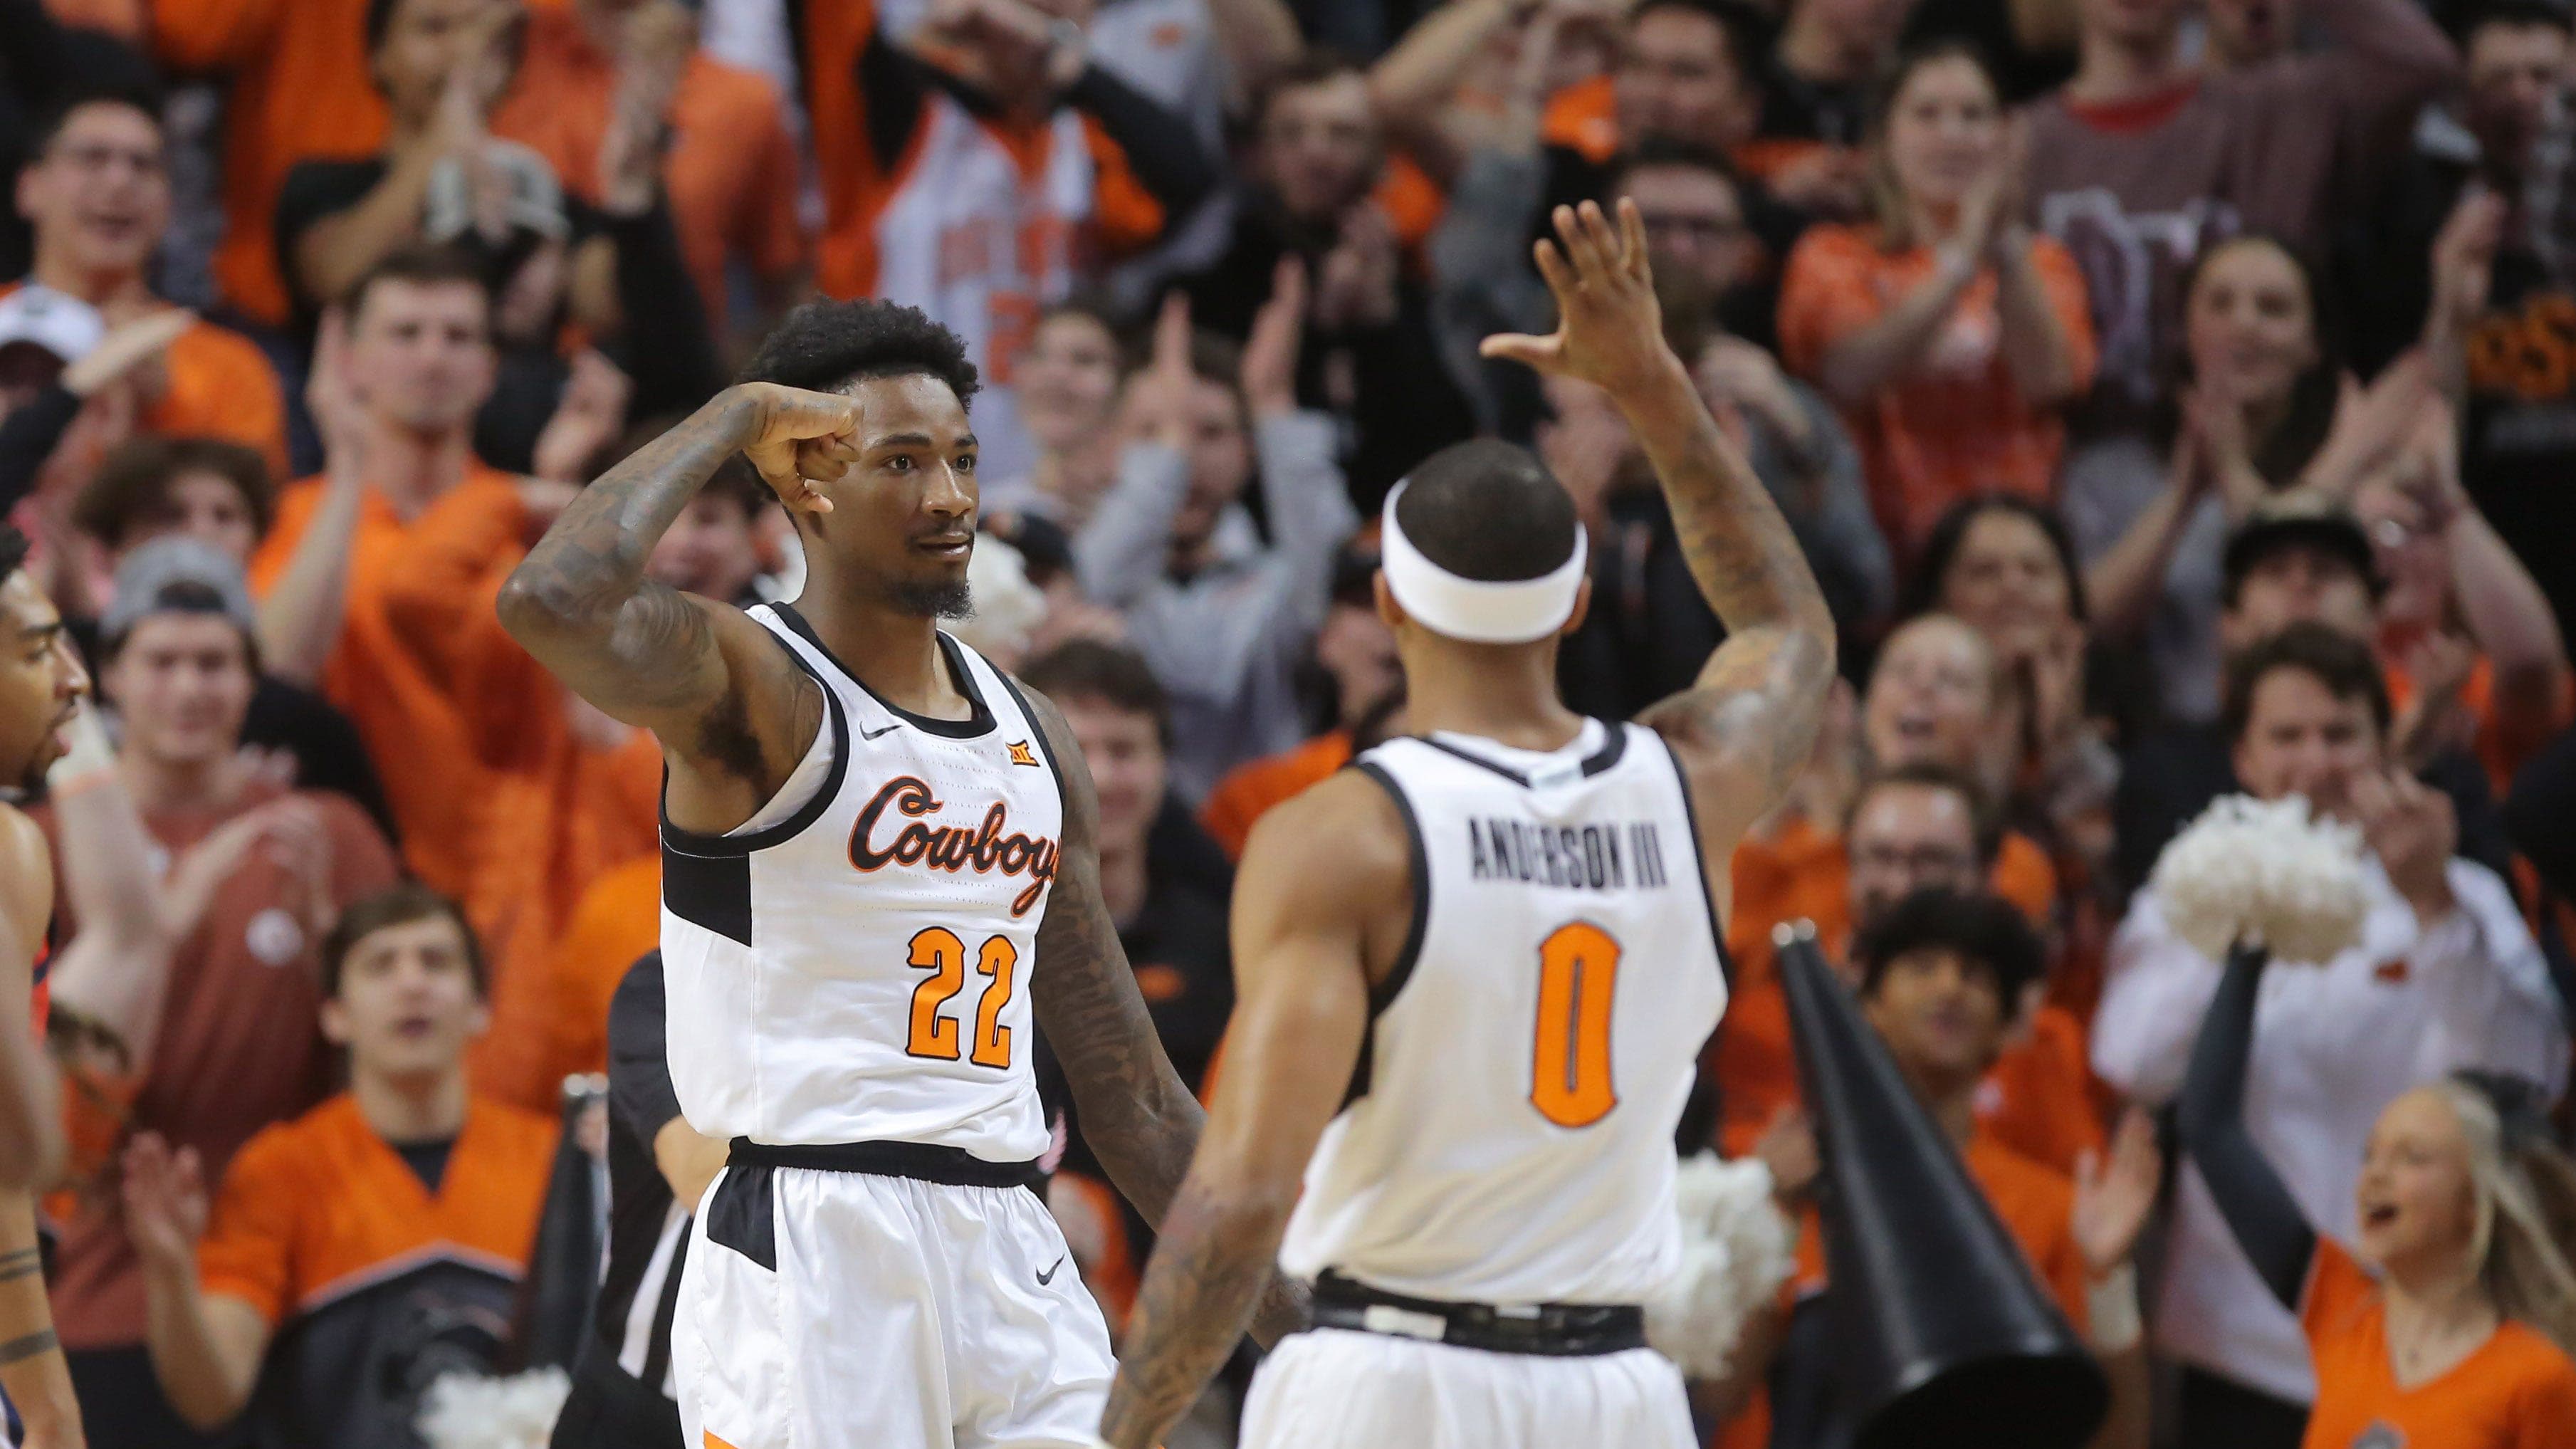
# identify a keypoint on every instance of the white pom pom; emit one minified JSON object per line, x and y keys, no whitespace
{"x":1735,"y":1256}
{"x":469,"y":1411}
{"x":1008,"y":608}
{"x":2267,"y":871}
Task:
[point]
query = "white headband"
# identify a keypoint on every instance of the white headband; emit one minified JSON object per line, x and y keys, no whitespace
{"x":1478,"y":611}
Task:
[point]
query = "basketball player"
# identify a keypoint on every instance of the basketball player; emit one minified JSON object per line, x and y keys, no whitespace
{"x":41,"y":684}
{"x":1475,"y":972}
{"x":878,"y":874}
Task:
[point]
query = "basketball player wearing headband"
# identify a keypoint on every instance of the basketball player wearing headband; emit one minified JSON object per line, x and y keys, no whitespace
{"x":1475,"y":971}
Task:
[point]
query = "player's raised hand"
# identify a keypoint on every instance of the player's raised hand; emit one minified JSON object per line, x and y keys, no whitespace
{"x":1609,"y":330}
{"x":799,"y":440}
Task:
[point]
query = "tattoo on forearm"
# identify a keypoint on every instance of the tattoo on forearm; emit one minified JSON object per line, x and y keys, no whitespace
{"x":1196,"y":1300}
{"x":588,"y":571}
{"x":33,"y":1345}
{"x":24,"y":1263}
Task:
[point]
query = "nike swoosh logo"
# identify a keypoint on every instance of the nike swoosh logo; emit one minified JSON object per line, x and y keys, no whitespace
{"x":889,"y":729}
{"x":1049,"y":1275}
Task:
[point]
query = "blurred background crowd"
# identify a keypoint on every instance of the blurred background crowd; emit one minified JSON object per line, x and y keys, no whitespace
{"x":2174,"y":399}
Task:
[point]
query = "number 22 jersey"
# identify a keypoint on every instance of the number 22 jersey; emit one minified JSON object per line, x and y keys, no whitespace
{"x":852,"y":964}
{"x":1510,"y":1139}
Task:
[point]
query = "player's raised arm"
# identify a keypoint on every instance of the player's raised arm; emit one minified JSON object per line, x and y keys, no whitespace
{"x":1744,"y":727}
{"x":1137,"y":1115}
{"x":1316,"y":872}
{"x":647,"y":653}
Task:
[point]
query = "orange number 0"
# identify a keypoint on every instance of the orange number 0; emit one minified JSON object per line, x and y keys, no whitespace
{"x":1578,"y":964}
{"x":934,"y":1035}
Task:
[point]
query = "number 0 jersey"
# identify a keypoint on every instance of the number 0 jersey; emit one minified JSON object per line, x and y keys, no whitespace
{"x":852,"y":964}
{"x":1511,"y":1137}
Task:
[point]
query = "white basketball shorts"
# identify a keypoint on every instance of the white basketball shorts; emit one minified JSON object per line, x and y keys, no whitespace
{"x":883,"y":1313}
{"x":1336,"y":1388}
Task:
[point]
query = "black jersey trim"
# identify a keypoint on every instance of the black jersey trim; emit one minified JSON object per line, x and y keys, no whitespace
{"x":974,"y":726}
{"x":679,"y":842}
{"x":1037,"y":726}
{"x":1699,"y":857}
{"x":1383,"y":994}
{"x":1612,"y":747}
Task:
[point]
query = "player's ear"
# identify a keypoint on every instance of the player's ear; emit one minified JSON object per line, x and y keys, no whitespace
{"x":1389,"y":611}
{"x":1582,"y":606}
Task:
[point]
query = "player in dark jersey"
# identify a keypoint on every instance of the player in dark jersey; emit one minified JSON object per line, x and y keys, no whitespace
{"x":41,"y":684}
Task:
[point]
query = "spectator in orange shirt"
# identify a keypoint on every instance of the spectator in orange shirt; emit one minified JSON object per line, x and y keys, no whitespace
{"x":336,"y":1239}
{"x":729,"y":166}
{"x":400,"y":469}
{"x":2451,"y":1321}
{"x":1947,"y":331}
{"x":2474,"y":656}
{"x":97,"y":193}
{"x":979,"y":163}
{"x":1944,"y":977}
{"x":1912,"y":827}
{"x":297,"y":88}
{"x":204,"y":976}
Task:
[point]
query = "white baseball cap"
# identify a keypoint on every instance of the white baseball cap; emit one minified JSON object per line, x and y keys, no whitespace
{"x":58,"y":322}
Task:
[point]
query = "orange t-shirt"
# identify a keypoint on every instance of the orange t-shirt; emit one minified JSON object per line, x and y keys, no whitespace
{"x":2503,"y":744}
{"x":2037,"y":1206}
{"x":730,"y":172}
{"x":1802,"y":872}
{"x":1584,"y":118}
{"x":1953,"y":425}
{"x":299,"y":92}
{"x":1250,"y":789}
{"x":212,"y":382}
{"x":557,"y":1024}
{"x":2516,"y":1391}
{"x":414,"y":727}
{"x":321,"y":1206}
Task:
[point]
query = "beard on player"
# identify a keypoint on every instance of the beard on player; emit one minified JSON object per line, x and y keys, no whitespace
{"x":41,"y":677}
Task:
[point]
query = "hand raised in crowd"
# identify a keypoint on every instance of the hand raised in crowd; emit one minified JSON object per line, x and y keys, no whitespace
{"x":1734,"y":371}
{"x":2414,"y":831}
{"x":2463,"y":262}
{"x":1990,"y":224}
{"x":1609,"y":329}
{"x":2220,"y":448}
{"x":1156,"y":407}
{"x":125,"y":349}
{"x":1270,"y":352}
{"x":1355,"y":282}
{"x":2046,"y":667}
{"x":653,"y":49}
{"x":2372,"y":425}
{"x":2114,"y":1193}
{"x":289,"y":831}
{"x":797,"y":440}
{"x":166,"y":1206}
{"x":1788,"y":1148}
{"x":332,"y":396}
{"x":2438,"y":663}
{"x":587,"y":420}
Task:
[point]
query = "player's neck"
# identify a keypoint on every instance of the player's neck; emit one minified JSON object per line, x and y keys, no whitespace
{"x":160,"y":786}
{"x":1503,"y":693}
{"x":429,"y":1107}
{"x":894,"y":652}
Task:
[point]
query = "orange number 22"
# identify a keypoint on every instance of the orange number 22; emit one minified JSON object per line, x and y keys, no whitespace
{"x":934,"y":1035}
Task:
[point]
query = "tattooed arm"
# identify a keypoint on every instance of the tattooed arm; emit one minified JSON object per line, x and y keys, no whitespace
{"x":732,"y":713}
{"x":1140,"y":1121}
{"x":1744,"y":727}
{"x":1324,"y":893}
{"x":32,"y":1370}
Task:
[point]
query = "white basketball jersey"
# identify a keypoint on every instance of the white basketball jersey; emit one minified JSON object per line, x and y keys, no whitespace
{"x":1511,"y":1140}
{"x":852,"y":965}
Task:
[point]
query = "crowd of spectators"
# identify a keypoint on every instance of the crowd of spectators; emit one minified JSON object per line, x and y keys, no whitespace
{"x":2173,"y":401}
